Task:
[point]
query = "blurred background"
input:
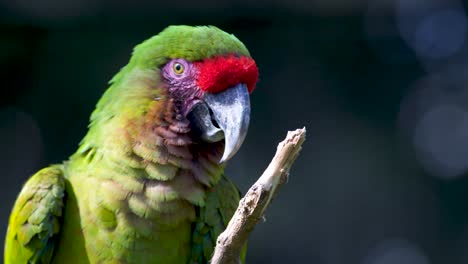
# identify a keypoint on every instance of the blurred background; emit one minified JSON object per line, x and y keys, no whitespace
{"x":382,"y":87}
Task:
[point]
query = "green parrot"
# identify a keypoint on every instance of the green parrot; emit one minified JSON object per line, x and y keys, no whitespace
{"x":146,"y":184}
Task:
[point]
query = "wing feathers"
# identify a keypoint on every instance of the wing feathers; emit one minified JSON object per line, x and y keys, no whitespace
{"x":35,"y":220}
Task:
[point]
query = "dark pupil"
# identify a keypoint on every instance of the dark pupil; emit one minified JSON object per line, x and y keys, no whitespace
{"x":178,"y":67}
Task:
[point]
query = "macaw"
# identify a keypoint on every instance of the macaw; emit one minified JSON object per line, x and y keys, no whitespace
{"x":146,"y":184}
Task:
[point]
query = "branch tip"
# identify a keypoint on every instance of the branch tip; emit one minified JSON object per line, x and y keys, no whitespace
{"x":253,"y":205}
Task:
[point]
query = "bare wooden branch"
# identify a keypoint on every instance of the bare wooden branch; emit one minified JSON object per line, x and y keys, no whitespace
{"x":252,"y":207}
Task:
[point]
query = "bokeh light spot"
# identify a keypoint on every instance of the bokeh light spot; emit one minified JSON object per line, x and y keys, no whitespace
{"x":441,"y":34}
{"x":434,"y":29}
{"x":397,"y":251}
{"x":434,"y":121}
{"x":441,"y":140}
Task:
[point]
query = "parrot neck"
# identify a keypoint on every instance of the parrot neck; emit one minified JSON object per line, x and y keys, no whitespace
{"x":151,"y":140}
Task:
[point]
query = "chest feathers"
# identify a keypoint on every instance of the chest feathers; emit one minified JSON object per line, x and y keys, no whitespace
{"x":147,"y":177}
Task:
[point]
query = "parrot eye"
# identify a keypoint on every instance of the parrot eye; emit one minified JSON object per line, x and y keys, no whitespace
{"x":178,"y":68}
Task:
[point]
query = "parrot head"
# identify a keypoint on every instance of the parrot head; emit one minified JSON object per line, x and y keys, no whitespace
{"x":208,"y":73}
{"x":214,"y":96}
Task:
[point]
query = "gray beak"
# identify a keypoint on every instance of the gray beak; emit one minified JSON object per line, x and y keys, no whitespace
{"x":230,"y":111}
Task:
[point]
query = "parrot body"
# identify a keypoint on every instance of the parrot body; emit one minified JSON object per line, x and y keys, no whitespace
{"x":146,"y":184}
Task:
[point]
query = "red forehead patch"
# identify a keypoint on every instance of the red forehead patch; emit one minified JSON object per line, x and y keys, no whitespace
{"x":219,"y":73}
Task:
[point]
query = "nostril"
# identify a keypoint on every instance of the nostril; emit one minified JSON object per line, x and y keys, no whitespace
{"x":212,"y":119}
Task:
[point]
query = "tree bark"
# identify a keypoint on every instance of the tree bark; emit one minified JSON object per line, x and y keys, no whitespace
{"x":257,"y":199}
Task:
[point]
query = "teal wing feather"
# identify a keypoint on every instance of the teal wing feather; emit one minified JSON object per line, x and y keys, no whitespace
{"x":35,"y":220}
{"x":221,"y":203}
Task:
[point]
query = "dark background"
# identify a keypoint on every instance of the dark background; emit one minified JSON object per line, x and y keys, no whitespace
{"x":380,"y":85}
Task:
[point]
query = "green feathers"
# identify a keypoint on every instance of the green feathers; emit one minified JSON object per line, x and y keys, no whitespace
{"x":35,"y":221}
{"x":190,"y":43}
